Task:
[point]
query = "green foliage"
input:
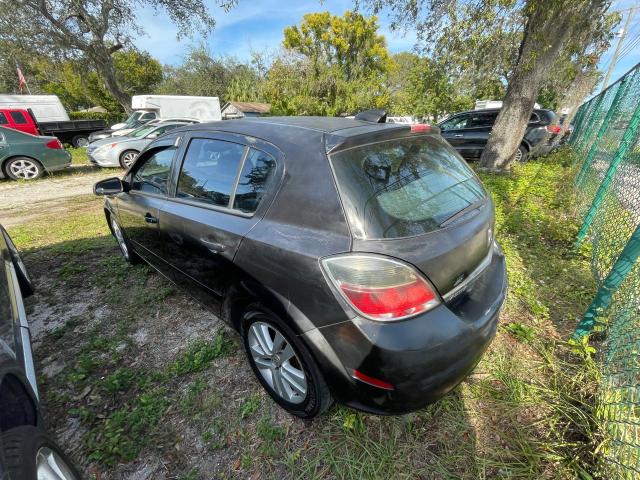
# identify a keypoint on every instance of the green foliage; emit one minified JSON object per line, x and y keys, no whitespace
{"x":524,"y":333}
{"x":109,"y":117}
{"x":201,"y":353}
{"x":333,"y":66}
{"x":431,"y":93}
{"x":124,"y":432}
{"x":78,"y":85}
{"x":250,"y":406}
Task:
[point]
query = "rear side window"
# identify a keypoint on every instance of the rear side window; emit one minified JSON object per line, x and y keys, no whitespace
{"x":455,"y":123}
{"x":18,"y":118}
{"x":3,"y":119}
{"x":257,"y":171}
{"x":404,"y":187}
{"x":209,"y":171}
{"x":482,"y":120}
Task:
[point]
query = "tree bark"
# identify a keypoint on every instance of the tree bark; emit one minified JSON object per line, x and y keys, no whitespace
{"x":104,"y":64}
{"x":544,"y":36}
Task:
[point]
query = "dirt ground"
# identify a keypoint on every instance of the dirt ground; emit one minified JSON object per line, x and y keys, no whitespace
{"x":23,"y":200}
{"x":138,"y":381}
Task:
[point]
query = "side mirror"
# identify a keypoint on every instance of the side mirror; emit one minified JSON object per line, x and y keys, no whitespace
{"x":109,"y":186}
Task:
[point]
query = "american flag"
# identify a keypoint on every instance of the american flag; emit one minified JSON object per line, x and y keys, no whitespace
{"x":22,"y":82}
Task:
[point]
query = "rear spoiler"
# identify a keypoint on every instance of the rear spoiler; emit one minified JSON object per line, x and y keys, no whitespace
{"x":375,"y":133}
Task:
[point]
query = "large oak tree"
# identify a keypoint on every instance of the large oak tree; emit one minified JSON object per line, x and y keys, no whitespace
{"x":543,"y":31}
{"x":95,"y":29}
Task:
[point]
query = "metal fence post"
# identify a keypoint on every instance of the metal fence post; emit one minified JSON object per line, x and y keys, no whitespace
{"x":625,"y":144}
{"x":613,"y":109}
{"x":623,"y":266}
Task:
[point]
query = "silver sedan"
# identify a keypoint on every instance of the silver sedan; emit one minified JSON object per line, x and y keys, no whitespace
{"x":123,"y":151}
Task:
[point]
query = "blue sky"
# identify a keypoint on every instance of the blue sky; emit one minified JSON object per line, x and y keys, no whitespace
{"x":258,"y":25}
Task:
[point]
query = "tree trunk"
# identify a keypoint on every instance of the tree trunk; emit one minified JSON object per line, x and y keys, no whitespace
{"x":104,"y":65}
{"x":544,"y":36}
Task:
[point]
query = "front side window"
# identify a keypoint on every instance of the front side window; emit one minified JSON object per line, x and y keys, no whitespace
{"x":257,"y":171}
{"x":3,"y":119}
{"x":18,"y":118}
{"x":404,"y":187}
{"x":209,"y":171}
{"x":153,"y":175}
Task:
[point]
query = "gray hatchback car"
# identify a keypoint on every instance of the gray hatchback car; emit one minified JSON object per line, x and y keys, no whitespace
{"x":356,"y":259}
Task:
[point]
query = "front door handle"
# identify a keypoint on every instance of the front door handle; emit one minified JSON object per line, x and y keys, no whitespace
{"x":214,"y":247}
{"x":459,"y":135}
{"x":150,"y":218}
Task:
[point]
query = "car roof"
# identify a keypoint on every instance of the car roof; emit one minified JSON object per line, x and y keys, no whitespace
{"x":496,"y":110}
{"x":287,"y":130}
{"x":317,"y":124}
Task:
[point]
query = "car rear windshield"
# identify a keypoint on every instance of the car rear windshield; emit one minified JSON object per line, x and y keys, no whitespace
{"x":404,"y":187}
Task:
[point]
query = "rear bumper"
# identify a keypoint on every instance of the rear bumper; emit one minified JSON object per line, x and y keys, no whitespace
{"x":423,"y":357}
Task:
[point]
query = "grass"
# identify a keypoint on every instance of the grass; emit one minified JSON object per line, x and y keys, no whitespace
{"x":192,"y":407}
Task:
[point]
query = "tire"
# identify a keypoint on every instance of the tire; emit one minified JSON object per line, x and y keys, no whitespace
{"x":125,"y":247}
{"x":276,"y":378}
{"x":127,"y":158}
{"x":80,"y":141}
{"x":24,"y":280}
{"x":30,"y":454}
{"x":522,"y":154}
{"x":23,"y":168}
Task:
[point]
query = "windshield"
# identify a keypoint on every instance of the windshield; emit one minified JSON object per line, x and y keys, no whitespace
{"x":133,"y":119}
{"x":142,"y":131}
{"x":404,"y":187}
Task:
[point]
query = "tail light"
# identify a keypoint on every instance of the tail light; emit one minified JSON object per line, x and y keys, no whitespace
{"x":553,"y":129}
{"x":54,"y":144}
{"x":420,"y":128}
{"x":380,"y":288}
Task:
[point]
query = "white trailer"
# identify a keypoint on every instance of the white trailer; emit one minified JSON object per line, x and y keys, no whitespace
{"x":205,"y":109}
{"x":46,"y":108}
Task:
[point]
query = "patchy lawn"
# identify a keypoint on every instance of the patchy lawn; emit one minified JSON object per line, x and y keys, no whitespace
{"x":141,"y":382}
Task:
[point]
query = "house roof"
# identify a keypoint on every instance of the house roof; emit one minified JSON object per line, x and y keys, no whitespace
{"x":250,"y":107}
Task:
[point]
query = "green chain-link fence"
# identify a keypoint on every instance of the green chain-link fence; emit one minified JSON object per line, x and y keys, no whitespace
{"x":606,"y":138}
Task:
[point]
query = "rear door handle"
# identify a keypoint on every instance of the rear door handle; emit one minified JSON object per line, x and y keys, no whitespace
{"x":459,"y":135}
{"x":214,"y":247}
{"x":150,"y":218}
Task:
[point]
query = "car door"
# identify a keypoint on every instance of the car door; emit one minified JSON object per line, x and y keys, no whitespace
{"x":15,"y":340}
{"x":220,"y":192}
{"x":453,"y":130}
{"x":476,"y":133}
{"x":138,"y":208}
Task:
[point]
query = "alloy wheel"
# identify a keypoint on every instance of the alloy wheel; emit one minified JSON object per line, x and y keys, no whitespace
{"x":50,"y":466}
{"x":24,"y":168}
{"x":128,"y":158}
{"x":518,"y":157}
{"x":277,"y":362}
{"x":120,"y":238}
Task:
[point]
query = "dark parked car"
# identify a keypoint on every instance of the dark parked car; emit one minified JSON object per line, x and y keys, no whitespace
{"x":468,"y":132}
{"x":356,"y":259}
{"x":26,"y":451}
